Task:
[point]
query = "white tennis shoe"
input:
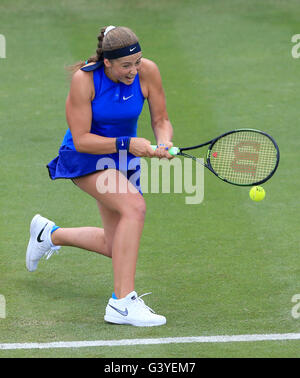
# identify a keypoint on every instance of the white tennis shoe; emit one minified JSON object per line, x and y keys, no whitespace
{"x":132,"y":310}
{"x":40,"y":242}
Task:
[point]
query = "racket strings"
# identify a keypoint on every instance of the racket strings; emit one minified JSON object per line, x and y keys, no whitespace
{"x":243,"y":157}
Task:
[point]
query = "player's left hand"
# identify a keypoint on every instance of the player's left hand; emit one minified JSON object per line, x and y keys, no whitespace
{"x":162,"y":150}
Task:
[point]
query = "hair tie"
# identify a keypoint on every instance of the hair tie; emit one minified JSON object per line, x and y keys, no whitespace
{"x":108,"y":29}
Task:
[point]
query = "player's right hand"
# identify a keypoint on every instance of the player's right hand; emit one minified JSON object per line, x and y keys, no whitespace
{"x":141,"y":147}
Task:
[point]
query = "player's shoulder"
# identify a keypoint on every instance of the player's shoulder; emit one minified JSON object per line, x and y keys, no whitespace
{"x":149,"y":69}
{"x":149,"y":64}
{"x":82,"y":76}
{"x":82,"y":83}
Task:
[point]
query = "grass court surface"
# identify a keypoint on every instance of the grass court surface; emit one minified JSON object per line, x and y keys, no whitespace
{"x":228,"y":266}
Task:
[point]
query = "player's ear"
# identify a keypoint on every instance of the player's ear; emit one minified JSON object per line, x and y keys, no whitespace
{"x":107,"y":63}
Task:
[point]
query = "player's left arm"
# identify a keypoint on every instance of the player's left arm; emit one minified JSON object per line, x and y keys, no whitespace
{"x":161,"y":125}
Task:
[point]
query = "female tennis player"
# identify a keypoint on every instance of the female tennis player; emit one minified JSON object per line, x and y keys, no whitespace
{"x":101,"y":146}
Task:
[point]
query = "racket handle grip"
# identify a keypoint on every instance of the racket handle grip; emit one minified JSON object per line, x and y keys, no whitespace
{"x":172,"y":151}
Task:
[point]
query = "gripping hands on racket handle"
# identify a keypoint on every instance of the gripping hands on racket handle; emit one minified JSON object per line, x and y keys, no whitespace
{"x":172,"y":151}
{"x":142,"y":147}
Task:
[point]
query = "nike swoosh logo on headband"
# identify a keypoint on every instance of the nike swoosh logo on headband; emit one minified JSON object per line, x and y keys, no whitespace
{"x":132,"y":49}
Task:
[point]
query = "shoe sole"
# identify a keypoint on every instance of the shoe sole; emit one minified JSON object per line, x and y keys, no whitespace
{"x":31,"y":240}
{"x":115,"y":320}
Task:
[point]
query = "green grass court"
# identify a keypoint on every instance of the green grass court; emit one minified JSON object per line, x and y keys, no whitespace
{"x":227,"y":266}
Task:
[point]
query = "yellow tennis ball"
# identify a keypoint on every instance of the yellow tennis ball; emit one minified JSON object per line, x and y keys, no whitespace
{"x":257,"y":193}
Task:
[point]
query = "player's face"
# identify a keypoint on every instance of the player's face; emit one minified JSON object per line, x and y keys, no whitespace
{"x":124,"y":69}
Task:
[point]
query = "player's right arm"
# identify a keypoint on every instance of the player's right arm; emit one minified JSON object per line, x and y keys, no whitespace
{"x":79,"y":117}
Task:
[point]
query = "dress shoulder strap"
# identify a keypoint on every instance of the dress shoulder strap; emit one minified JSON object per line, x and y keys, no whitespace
{"x":92,"y":67}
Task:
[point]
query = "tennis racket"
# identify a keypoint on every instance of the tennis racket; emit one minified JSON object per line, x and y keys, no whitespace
{"x":243,"y":157}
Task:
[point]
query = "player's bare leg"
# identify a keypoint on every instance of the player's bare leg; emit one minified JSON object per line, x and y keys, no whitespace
{"x":89,"y":238}
{"x":129,"y":204}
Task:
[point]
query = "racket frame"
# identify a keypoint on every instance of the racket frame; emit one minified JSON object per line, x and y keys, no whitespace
{"x":211,"y":143}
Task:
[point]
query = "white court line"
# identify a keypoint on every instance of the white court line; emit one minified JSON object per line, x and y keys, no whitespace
{"x":166,"y":340}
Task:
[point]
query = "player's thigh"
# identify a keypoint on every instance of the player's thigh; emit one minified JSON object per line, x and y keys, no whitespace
{"x":114,"y":191}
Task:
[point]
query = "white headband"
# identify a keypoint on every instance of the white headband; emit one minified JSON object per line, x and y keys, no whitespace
{"x":108,"y":29}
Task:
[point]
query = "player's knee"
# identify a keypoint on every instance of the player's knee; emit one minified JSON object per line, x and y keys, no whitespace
{"x":136,"y":210}
{"x":141,"y":211}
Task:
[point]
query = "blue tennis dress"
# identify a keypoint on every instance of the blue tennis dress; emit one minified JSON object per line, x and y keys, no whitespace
{"x":115,"y":112}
